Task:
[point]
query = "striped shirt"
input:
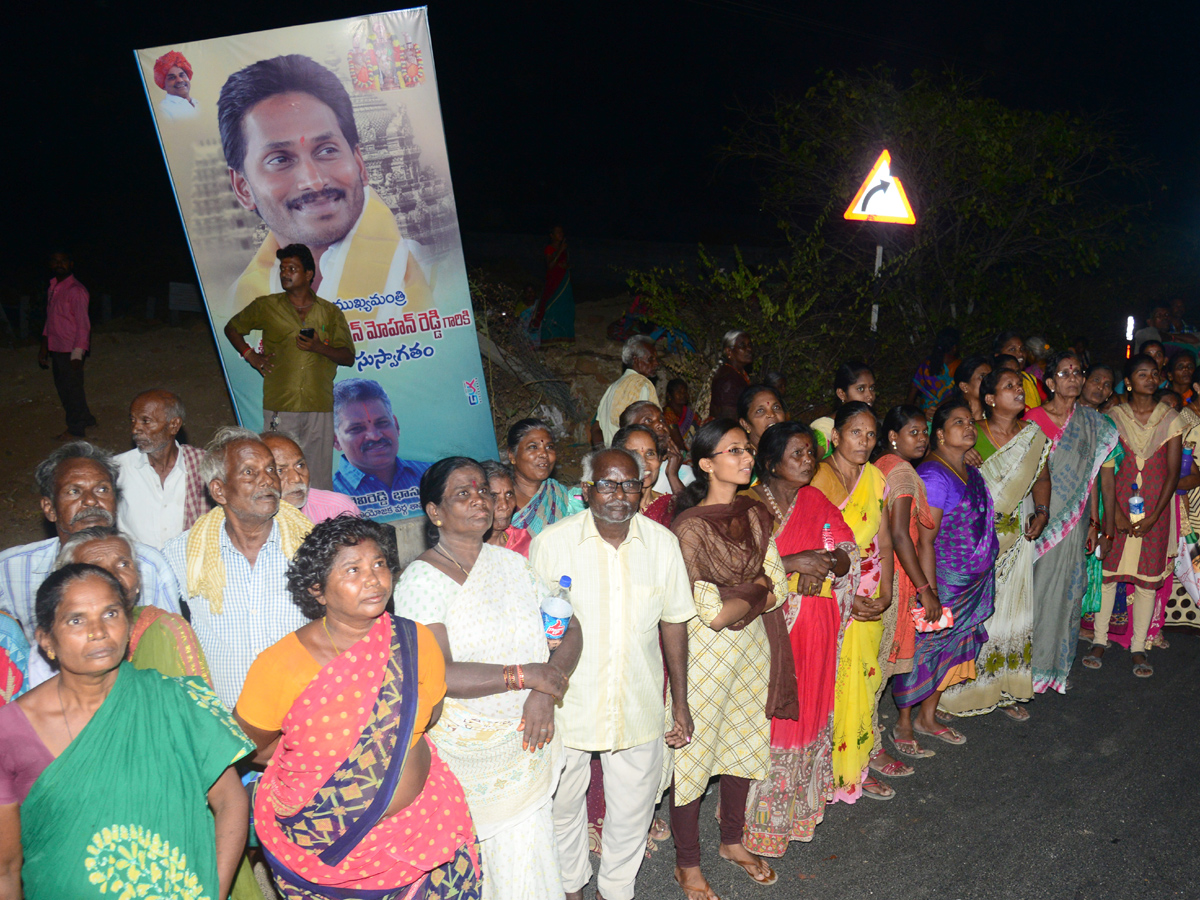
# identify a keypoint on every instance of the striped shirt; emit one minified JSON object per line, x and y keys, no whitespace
{"x":619,"y":596}
{"x":24,"y":568}
{"x":258,"y":609}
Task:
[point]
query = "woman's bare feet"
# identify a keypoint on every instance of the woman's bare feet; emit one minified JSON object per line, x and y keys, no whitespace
{"x":754,"y":866}
{"x":694,"y":884}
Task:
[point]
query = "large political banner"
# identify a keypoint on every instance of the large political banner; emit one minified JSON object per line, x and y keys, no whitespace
{"x":330,"y":135}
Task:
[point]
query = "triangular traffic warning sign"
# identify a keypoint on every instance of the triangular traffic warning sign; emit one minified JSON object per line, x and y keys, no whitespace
{"x":881,"y":197}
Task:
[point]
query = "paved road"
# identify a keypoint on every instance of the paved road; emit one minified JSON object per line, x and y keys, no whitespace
{"x":1095,"y":797}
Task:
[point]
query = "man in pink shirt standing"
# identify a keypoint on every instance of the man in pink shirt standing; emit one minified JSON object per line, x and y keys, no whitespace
{"x":65,"y":342}
{"x":316,"y":504}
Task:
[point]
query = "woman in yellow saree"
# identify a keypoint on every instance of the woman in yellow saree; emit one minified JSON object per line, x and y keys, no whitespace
{"x":858,"y":489}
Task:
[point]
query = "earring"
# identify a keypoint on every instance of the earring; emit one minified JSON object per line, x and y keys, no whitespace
{"x":894,"y":447}
{"x":50,"y":653}
{"x":438,"y":524}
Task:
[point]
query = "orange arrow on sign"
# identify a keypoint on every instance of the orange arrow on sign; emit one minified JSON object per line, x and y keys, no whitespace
{"x":881,"y":197}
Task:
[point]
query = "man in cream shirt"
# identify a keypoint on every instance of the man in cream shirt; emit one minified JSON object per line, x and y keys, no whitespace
{"x":628,"y":584}
{"x":640,"y":359}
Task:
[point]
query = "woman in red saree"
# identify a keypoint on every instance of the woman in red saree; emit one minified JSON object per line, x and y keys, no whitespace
{"x":553,"y":318}
{"x":789,"y":803}
{"x":355,"y":801}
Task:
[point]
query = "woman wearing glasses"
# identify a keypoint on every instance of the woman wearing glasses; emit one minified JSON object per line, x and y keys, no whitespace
{"x":858,"y":489}
{"x":1081,"y":439}
{"x":737,"y":677}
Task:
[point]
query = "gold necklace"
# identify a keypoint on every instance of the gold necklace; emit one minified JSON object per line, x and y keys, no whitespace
{"x":842,"y":478}
{"x":938,"y":457}
{"x":987,"y":425}
{"x":330,"y":636}
{"x":771,"y":500}
{"x":446,"y":553}
{"x":63,"y":709}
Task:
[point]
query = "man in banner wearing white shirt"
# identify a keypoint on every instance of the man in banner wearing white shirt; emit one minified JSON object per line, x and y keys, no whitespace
{"x":291,"y":144}
{"x":173,"y":74}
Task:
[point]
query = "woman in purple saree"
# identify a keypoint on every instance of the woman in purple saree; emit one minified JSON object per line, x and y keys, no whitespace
{"x":965,"y":547}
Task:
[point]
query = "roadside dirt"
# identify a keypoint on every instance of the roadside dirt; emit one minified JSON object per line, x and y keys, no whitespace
{"x":132,"y":356}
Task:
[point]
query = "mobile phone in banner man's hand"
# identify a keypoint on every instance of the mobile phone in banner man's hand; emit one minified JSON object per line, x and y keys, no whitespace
{"x":308,"y":332}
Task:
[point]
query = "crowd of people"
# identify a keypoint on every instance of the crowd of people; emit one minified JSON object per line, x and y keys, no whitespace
{"x":214,"y":662}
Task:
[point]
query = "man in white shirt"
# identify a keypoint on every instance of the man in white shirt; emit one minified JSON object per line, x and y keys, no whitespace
{"x":173,"y":74}
{"x":628,"y":584}
{"x":640,"y":359}
{"x":160,"y":486}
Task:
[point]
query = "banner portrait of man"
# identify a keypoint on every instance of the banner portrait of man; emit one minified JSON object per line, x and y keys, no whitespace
{"x":291,"y":144}
{"x":329,"y":136}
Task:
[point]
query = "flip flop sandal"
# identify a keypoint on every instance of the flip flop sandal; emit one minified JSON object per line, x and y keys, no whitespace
{"x":748,"y":867}
{"x":944,"y":717}
{"x":1143,"y":669}
{"x":911,"y":748}
{"x":891,"y":795}
{"x":688,"y":892}
{"x":1092,"y":662}
{"x":894,"y":769}
{"x":1022,"y":714}
{"x":659,"y":830}
{"x":1160,"y":642}
{"x":946,"y":735}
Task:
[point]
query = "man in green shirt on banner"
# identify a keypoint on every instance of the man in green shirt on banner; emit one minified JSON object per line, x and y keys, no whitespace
{"x":304,"y":340}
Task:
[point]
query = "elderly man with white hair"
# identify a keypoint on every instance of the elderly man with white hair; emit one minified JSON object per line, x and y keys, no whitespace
{"x":232,"y":562}
{"x":640,"y":360}
{"x":629,"y":584}
{"x":162,"y":492}
{"x":294,"y":476}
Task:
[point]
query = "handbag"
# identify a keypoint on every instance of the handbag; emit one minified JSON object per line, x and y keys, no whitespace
{"x":924,"y":626}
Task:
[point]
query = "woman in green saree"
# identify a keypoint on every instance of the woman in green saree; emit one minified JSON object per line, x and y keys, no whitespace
{"x":541,"y":500}
{"x":115,"y":780}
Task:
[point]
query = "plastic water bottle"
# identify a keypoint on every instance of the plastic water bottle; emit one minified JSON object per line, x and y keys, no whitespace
{"x":1137,"y":505}
{"x":556,"y":610}
{"x":1185,"y":466}
{"x":830,"y":546}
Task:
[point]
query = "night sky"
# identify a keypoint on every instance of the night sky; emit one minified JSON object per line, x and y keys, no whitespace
{"x":603,"y":116}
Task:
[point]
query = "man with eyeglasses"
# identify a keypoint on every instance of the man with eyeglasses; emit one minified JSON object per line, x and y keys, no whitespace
{"x":304,"y":340}
{"x":628,"y":585}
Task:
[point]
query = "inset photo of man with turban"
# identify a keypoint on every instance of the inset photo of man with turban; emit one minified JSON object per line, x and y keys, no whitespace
{"x":173,"y":73}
